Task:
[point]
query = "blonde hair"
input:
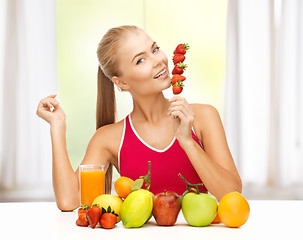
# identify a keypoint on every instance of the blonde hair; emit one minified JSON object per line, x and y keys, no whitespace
{"x":108,"y":68}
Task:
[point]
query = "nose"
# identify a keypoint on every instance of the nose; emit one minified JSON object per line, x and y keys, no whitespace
{"x":158,"y":59}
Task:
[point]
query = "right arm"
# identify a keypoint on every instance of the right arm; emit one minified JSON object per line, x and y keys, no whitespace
{"x":65,"y":180}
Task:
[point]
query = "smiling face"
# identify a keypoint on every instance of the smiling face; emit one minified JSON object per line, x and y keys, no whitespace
{"x":143,"y":67}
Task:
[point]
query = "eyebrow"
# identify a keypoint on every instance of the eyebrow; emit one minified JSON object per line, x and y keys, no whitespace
{"x":141,"y":53}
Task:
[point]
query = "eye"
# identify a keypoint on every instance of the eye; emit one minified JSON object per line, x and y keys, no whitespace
{"x":140,"y":61}
{"x":156,"y":49}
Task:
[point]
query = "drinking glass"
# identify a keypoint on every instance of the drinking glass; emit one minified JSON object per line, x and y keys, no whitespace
{"x":92,"y":183}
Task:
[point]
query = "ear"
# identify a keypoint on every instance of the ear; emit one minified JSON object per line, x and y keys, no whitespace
{"x":120,"y":83}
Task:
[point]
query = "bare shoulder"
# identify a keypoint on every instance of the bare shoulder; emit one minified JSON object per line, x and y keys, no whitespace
{"x":110,"y":132}
{"x":205,"y":112}
{"x":107,"y":139}
{"x":105,"y":142}
{"x":207,"y":118}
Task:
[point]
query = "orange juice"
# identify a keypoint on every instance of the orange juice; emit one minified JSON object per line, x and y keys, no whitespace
{"x":92,"y":183}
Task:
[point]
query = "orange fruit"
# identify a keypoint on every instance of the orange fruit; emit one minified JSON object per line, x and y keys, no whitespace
{"x":233,"y":209}
{"x":122,"y":186}
{"x":217,"y":219}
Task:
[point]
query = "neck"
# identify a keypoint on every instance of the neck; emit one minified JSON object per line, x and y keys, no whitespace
{"x":150,"y":109}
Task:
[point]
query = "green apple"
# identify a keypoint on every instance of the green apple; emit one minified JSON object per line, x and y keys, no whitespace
{"x":199,"y":209}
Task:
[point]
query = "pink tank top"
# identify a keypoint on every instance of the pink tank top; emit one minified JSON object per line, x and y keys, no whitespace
{"x":166,"y":164}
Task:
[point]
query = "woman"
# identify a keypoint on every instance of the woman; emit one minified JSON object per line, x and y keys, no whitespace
{"x":174,"y":135}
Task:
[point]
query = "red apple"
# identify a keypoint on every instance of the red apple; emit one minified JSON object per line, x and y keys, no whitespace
{"x":166,"y":208}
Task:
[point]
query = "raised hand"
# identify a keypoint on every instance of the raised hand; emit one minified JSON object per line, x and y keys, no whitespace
{"x":183,"y":116}
{"x":50,"y":110}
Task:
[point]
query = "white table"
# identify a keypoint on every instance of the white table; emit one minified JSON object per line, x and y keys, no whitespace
{"x":43,"y":220}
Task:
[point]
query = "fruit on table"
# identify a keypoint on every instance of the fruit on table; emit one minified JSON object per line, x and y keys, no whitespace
{"x":233,"y":209}
{"x":108,"y":220}
{"x":166,"y":208}
{"x":199,"y":209}
{"x":93,"y":215}
{"x":123,"y":186}
{"x":217,"y":219}
{"x":106,"y":200}
{"x":82,"y":219}
{"x":82,"y":209}
{"x":136,"y":208}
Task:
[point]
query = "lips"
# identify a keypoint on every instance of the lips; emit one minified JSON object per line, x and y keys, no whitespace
{"x":160,"y":73}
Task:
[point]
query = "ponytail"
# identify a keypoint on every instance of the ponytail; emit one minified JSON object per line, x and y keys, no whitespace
{"x":106,"y":101}
{"x":106,"y":114}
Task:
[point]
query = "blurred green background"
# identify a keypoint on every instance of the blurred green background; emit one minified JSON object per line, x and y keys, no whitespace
{"x":81,"y":25}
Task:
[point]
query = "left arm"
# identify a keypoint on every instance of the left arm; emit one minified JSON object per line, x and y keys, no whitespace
{"x":214,"y":164}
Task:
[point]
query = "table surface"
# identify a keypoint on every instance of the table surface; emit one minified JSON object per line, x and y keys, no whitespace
{"x":43,"y":220}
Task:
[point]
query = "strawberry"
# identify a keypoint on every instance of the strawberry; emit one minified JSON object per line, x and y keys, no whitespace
{"x":108,"y":220}
{"x":177,"y":78}
{"x":181,"y":48}
{"x":178,"y":88}
{"x":178,"y":58}
{"x":93,"y":215}
{"x":82,"y":209}
{"x":179,"y":68}
{"x":82,"y":220}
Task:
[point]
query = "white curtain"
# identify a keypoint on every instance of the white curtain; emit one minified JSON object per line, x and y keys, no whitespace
{"x":264,"y":91}
{"x":27,"y":73}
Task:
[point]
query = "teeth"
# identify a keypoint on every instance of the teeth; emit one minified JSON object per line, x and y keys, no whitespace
{"x":159,"y":74}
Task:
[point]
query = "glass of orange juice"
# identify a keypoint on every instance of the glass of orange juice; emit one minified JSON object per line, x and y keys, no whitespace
{"x":92,"y":183}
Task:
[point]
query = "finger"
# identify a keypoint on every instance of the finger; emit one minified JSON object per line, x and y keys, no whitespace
{"x":178,"y":114}
{"x":178,"y":103}
{"x":54,"y":102}
{"x":49,"y":105}
{"x":57,"y":108}
{"x":47,"y":100}
{"x":183,"y":113}
{"x":179,"y":99}
{"x":178,"y":108}
{"x":52,"y":96}
{"x":181,"y":104}
{"x":45,"y":103}
{"x":175,"y":98}
{"x":42,"y":109}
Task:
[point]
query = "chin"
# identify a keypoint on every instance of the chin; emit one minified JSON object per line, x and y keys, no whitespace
{"x":168,"y":86}
{"x":167,"y":83}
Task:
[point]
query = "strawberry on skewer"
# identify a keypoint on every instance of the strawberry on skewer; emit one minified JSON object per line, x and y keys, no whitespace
{"x":176,"y":78}
{"x":181,"y":48}
{"x":178,"y":88}
{"x":178,"y":59}
{"x":179,"y":68}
